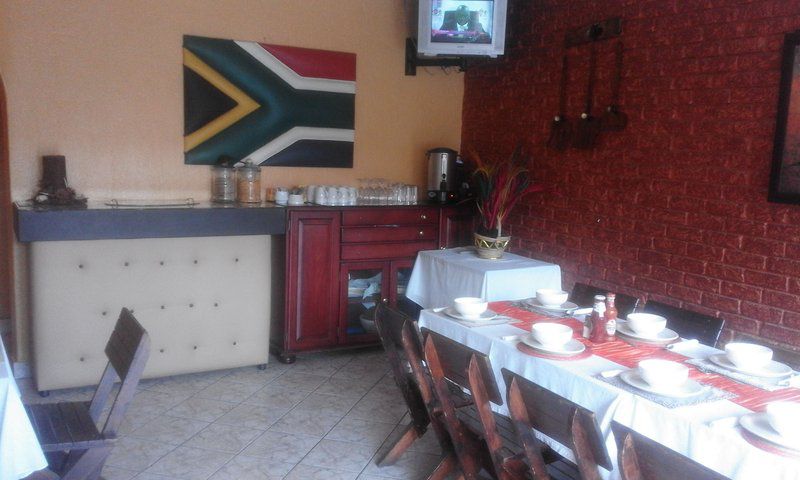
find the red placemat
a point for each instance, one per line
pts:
(748, 396)
(524, 319)
(527, 350)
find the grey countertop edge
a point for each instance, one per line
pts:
(38, 224)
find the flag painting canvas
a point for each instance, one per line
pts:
(276, 105)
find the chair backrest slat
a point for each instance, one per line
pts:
(127, 350)
(583, 296)
(641, 458)
(125, 339)
(390, 324)
(688, 324)
(419, 372)
(468, 448)
(455, 359)
(562, 420)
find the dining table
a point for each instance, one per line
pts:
(439, 276)
(20, 452)
(704, 427)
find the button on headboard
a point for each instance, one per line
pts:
(205, 302)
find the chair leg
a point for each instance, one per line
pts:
(409, 436)
(89, 465)
(95, 475)
(445, 467)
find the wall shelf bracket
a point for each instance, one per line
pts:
(413, 61)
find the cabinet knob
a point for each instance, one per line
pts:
(423, 216)
(421, 233)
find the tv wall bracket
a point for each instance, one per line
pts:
(595, 32)
(413, 61)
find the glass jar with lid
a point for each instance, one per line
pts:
(223, 184)
(248, 183)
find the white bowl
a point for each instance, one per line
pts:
(663, 374)
(470, 307)
(748, 356)
(553, 335)
(646, 324)
(783, 417)
(550, 297)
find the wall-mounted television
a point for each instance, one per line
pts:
(462, 27)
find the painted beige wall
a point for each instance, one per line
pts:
(101, 82)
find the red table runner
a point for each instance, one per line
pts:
(618, 351)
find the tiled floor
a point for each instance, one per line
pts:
(328, 416)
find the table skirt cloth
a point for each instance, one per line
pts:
(439, 276)
(20, 453)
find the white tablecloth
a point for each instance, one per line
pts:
(439, 276)
(684, 429)
(20, 453)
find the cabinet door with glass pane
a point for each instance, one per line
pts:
(363, 286)
(399, 272)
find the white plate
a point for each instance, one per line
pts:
(772, 370)
(758, 425)
(689, 389)
(355, 291)
(665, 335)
(573, 347)
(559, 308)
(485, 316)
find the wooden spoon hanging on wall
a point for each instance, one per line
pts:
(561, 129)
(588, 127)
(614, 120)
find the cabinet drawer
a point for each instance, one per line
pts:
(391, 233)
(391, 216)
(363, 251)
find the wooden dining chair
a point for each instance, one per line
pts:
(641, 458)
(390, 324)
(688, 324)
(422, 376)
(456, 366)
(583, 296)
(533, 407)
(69, 433)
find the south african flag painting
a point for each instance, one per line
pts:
(276, 105)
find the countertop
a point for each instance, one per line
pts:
(99, 221)
(96, 221)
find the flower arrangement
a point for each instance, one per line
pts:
(499, 186)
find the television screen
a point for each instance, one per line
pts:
(462, 27)
(462, 21)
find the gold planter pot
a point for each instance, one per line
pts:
(490, 248)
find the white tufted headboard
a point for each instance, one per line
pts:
(204, 300)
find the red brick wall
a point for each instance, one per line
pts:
(674, 207)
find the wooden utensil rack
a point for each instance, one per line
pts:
(595, 32)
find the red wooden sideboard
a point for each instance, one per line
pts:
(339, 262)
